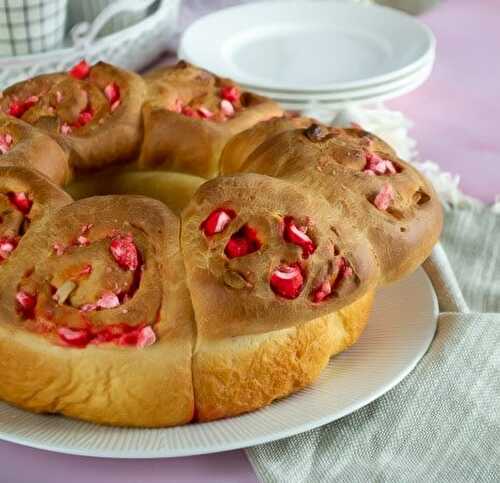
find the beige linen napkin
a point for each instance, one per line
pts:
(442, 423)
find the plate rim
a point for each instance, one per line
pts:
(346, 85)
(305, 106)
(366, 92)
(252, 441)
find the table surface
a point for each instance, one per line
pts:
(455, 115)
(457, 111)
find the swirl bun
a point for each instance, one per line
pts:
(392, 204)
(94, 112)
(105, 283)
(191, 115)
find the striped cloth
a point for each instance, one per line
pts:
(442, 423)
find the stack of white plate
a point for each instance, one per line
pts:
(308, 54)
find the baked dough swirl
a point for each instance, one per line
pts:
(190, 116)
(97, 322)
(94, 112)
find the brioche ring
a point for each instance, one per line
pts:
(216, 298)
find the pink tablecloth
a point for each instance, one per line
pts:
(456, 115)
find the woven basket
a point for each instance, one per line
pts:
(133, 48)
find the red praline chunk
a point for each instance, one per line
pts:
(243, 242)
(217, 221)
(124, 251)
(287, 281)
(293, 234)
(80, 70)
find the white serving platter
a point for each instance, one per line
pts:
(399, 332)
(415, 78)
(308, 46)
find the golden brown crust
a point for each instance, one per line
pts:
(234, 375)
(176, 142)
(32, 148)
(143, 388)
(242, 145)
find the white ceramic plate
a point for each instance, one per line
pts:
(428, 59)
(364, 92)
(307, 45)
(294, 105)
(399, 332)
